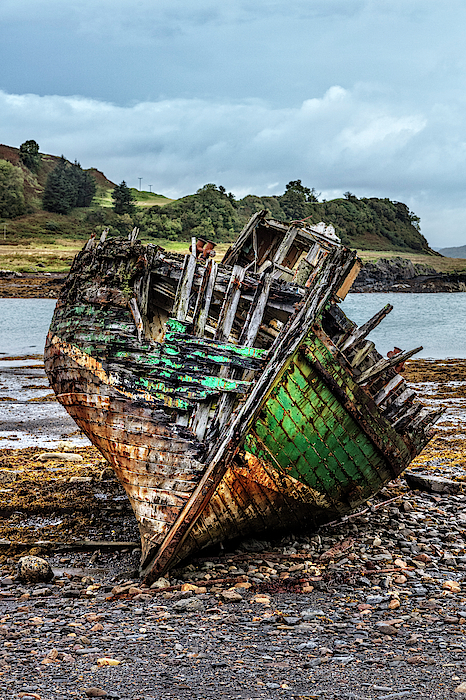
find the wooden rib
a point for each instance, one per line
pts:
(365, 329)
(385, 392)
(183, 292)
(133, 305)
(285, 246)
(204, 298)
(233, 251)
(230, 304)
(362, 353)
(406, 415)
(392, 408)
(256, 311)
(384, 364)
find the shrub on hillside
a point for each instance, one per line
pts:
(11, 191)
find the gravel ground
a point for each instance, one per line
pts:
(372, 607)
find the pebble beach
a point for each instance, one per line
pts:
(370, 607)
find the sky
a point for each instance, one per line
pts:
(366, 96)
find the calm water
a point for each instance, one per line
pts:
(23, 325)
(436, 321)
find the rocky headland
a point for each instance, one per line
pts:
(402, 275)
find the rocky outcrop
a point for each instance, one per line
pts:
(401, 275)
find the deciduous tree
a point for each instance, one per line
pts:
(29, 154)
(11, 191)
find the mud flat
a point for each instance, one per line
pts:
(31, 285)
(370, 607)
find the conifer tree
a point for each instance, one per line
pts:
(68, 186)
(123, 201)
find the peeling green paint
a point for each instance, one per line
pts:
(304, 431)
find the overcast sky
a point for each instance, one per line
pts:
(360, 95)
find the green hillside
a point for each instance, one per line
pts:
(30, 181)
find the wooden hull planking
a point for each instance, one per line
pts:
(229, 403)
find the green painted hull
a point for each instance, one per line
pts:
(305, 431)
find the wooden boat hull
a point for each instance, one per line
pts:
(303, 442)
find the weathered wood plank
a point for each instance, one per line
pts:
(285, 246)
(362, 353)
(133, 305)
(183, 292)
(366, 328)
(204, 298)
(385, 392)
(384, 364)
(230, 304)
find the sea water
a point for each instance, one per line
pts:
(435, 321)
(23, 325)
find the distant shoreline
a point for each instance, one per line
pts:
(31, 285)
(47, 286)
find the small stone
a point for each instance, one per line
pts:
(189, 587)
(62, 456)
(34, 569)
(80, 479)
(106, 661)
(95, 692)
(42, 592)
(188, 605)
(134, 591)
(394, 604)
(385, 628)
(231, 596)
(452, 586)
(400, 563)
(461, 688)
(261, 599)
(161, 583)
(97, 627)
(291, 620)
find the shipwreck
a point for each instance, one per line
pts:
(231, 398)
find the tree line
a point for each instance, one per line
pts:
(212, 212)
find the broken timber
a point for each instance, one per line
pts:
(230, 398)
